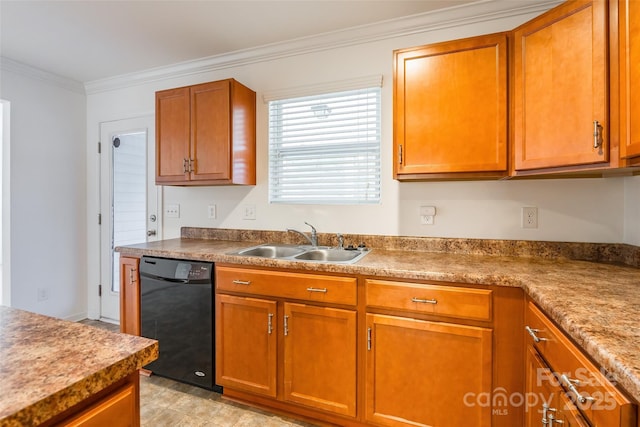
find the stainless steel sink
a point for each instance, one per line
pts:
(321, 254)
(330, 255)
(272, 251)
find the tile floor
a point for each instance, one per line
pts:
(168, 403)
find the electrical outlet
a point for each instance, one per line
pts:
(211, 211)
(249, 212)
(172, 211)
(427, 214)
(529, 217)
(426, 219)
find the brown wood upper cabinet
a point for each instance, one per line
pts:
(629, 33)
(560, 92)
(450, 109)
(206, 134)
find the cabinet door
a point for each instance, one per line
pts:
(172, 135)
(629, 77)
(450, 107)
(211, 131)
(130, 295)
(422, 373)
(545, 399)
(246, 344)
(320, 357)
(561, 87)
(540, 389)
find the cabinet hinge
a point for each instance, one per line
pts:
(99, 147)
(99, 219)
(99, 290)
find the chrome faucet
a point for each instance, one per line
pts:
(313, 240)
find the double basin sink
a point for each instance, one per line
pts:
(304, 253)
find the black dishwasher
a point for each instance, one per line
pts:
(176, 308)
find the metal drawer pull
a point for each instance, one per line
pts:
(322, 290)
(242, 282)
(533, 333)
(572, 388)
(286, 325)
(424, 301)
(369, 339)
(270, 324)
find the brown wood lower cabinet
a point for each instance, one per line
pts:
(547, 402)
(295, 352)
(116, 410)
(562, 384)
(422, 373)
(356, 351)
(246, 344)
(320, 357)
(130, 295)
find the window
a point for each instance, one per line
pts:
(325, 148)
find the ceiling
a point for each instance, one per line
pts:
(88, 40)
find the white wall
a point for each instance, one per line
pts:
(632, 210)
(48, 193)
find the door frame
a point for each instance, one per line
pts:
(102, 158)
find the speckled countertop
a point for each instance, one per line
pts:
(48, 365)
(596, 303)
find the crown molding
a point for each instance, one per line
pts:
(16, 67)
(481, 11)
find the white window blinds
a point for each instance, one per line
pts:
(325, 149)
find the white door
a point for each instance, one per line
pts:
(128, 199)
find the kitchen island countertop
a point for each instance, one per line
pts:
(597, 304)
(48, 365)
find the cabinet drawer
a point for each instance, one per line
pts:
(586, 385)
(309, 287)
(465, 303)
(118, 410)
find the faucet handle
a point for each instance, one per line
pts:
(340, 241)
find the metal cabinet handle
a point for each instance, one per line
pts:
(571, 385)
(286, 325)
(424, 301)
(322, 290)
(369, 339)
(185, 166)
(545, 413)
(132, 276)
(241, 282)
(270, 324)
(597, 134)
(533, 333)
(191, 168)
(548, 416)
